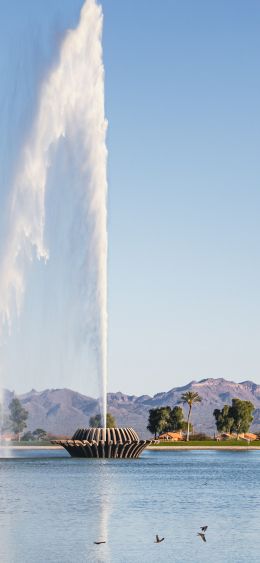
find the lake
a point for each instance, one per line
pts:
(53, 507)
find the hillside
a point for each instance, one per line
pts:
(61, 411)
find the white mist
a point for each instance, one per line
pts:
(70, 111)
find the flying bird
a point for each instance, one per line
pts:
(99, 542)
(157, 539)
(204, 528)
(202, 536)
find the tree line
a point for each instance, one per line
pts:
(167, 419)
(16, 422)
(235, 418)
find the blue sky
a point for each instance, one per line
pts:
(182, 100)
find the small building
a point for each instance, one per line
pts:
(248, 436)
(172, 436)
(8, 437)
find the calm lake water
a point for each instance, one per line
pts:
(53, 507)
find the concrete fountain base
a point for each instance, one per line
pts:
(104, 443)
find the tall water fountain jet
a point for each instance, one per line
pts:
(70, 109)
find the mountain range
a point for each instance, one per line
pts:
(62, 411)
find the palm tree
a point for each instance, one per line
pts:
(189, 398)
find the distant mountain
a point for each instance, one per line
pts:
(61, 411)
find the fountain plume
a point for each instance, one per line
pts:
(71, 107)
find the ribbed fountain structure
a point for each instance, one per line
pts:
(104, 443)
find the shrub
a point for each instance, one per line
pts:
(200, 436)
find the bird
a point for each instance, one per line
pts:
(202, 536)
(99, 542)
(204, 528)
(157, 539)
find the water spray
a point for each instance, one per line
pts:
(71, 105)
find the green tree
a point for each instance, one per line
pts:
(39, 434)
(185, 426)
(224, 419)
(18, 416)
(28, 437)
(190, 397)
(235, 418)
(95, 421)
(158, 420)
(176, 420)
(242, 414)
(4, 421)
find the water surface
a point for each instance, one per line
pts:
(53, 507)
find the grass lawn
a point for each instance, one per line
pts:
(212, 443)
(209, 443)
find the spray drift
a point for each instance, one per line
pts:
(71, 112)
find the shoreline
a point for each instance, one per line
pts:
(216, 448)
(150, 448)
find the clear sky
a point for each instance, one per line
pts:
(182, 101)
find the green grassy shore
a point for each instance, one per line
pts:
(208, 443)
(192, 443)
